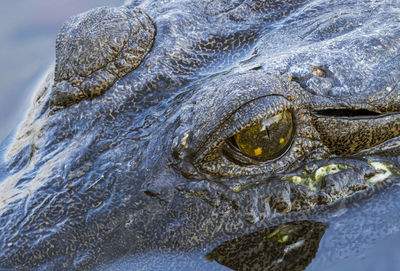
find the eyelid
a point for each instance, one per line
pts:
(245, 116)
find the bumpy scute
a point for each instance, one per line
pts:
(96, 48)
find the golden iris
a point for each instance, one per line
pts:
(268, 138)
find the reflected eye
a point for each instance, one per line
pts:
(267, 139)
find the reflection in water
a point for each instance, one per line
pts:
(289, 246)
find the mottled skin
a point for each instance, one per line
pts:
(138, 162)
(96, 48)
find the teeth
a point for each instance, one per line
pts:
(383, 170)
(328, 170)
(313, 181)
(237, 188)
(307, 182)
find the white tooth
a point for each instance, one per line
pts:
(383, 172)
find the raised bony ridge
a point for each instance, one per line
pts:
(96, 48)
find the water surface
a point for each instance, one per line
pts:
(28, 31)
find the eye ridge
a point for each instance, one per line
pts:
(263, 141)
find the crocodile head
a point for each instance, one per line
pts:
(177, 125)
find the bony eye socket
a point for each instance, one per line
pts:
(267, 139)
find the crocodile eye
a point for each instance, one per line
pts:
(267, 139)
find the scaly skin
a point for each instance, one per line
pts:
(121, 159)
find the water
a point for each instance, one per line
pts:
(27, 47)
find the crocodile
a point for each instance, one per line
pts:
(179, 126)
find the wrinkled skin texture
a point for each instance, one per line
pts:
(142, 163)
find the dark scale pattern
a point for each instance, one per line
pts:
(96, 48)
(349, 136)
(140, 159)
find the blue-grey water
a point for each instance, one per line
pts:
(27, 48)
(27, 38)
